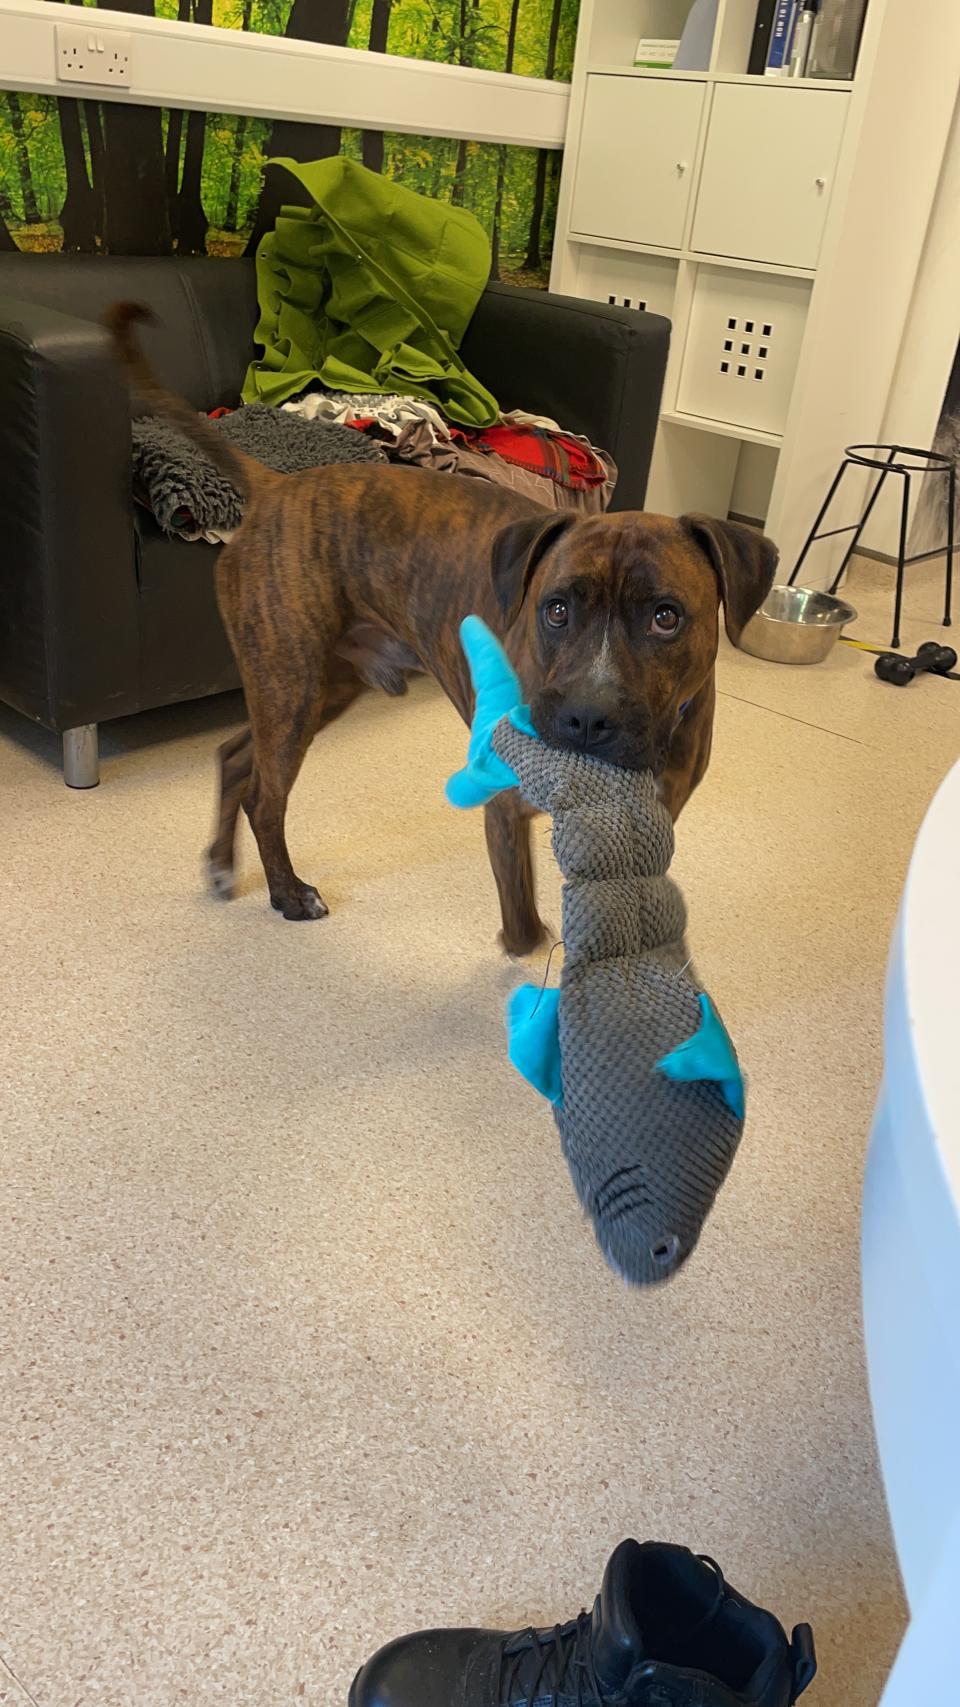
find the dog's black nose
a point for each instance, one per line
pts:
(587, 727)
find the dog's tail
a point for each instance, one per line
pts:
(243, 471)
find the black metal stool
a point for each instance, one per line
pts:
(889, 459)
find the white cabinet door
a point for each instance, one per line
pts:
(768, 170)
(742, 347)
(635, 168)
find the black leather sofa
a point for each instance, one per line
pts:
(102, 615)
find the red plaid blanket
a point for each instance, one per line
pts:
(554, 455)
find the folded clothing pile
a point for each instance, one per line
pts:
(527, 453)
(190, 498)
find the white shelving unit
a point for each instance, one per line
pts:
(778, 224)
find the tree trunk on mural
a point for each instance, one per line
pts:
(7, 245)
(464, 57)
(171, 168)
(373, 150)
(441, 154)
(192, 220)
(174, 139)
(31, 210)
(78, 215)
(498, 203)
(502, 151)
(533, 260)
(379, 34)
(91, 114)
(136, 220)
(315, 21)
(231, 219)
(460, 174)
(135, 216)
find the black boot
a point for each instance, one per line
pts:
(665, 1631)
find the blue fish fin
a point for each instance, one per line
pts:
(533, 1039)
(498, 695)
(708, 1054)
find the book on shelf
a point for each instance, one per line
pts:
(655, 53)
(760, 45)
(781, 38)
(836, 39)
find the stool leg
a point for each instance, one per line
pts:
(952, 501)
(851, 548)
(901, 559)
(824, 507)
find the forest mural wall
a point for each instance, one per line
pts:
(100, 177)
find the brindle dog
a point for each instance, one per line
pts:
(355, 575)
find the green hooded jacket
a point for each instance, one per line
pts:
(370, 289)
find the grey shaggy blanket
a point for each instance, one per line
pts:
(186, 494)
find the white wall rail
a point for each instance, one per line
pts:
(198, 67)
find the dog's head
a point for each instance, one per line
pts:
(613, 621)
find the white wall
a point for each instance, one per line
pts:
(753, 482)
(929, 341)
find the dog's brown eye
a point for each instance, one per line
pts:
(556, 613)
(666, 620)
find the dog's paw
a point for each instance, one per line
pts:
(221, 880)
(520, 944)
(306, 903)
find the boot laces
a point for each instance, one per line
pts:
(565, 1655)
(564, 1666)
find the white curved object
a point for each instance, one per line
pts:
(911, 1254)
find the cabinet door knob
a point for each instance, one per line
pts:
(681, 167)
(821, 183)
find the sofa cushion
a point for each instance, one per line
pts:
(206, 310)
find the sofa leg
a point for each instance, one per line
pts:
(81, 756)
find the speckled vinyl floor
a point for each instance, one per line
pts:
(305, 1340)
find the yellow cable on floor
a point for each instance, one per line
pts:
(863, 645)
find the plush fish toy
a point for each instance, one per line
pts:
(645, 1085)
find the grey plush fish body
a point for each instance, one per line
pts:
(647, 1151)
(646, 1089)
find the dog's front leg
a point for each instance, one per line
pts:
(507, 823)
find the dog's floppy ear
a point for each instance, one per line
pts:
(517, 550)
(743, 561)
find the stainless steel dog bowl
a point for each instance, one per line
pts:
(796, 625)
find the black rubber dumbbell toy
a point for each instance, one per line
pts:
(936, 660)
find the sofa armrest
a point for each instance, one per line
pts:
(69, 645)
(596, 370)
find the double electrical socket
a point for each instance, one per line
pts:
(100, 57)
